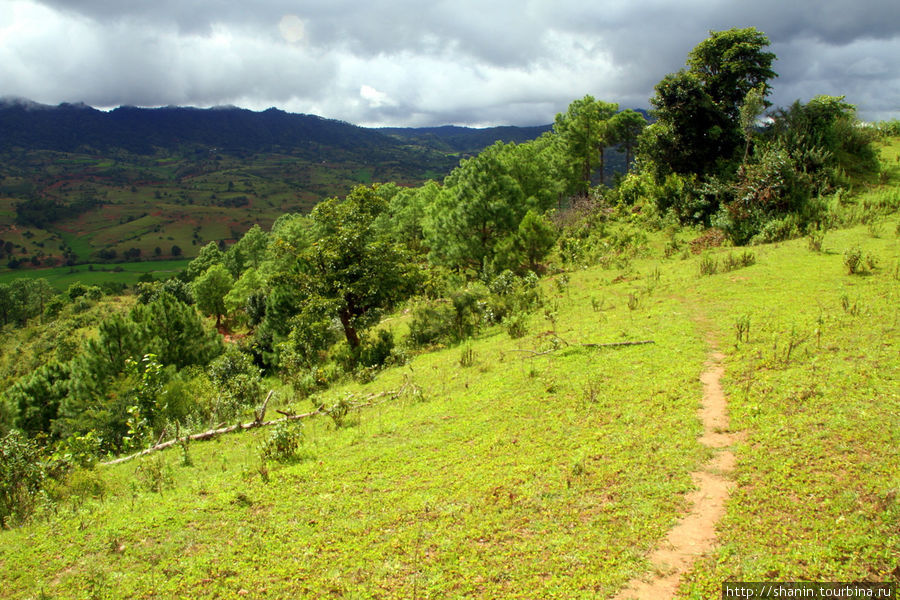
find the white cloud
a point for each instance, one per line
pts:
(409, 62)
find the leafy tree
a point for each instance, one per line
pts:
(210, 290)
(585, 131)
(732, 63)
(698, 129)
(208, 256)
(349, 266)
(237, 298)
(691, 134)
(626, 129)
(249, 251)
(823, 136)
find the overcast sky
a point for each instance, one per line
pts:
(420, 62)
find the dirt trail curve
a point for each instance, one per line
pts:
(695, 533)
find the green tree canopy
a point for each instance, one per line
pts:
(349, 266)
(209, 255)
(210, 290)
(585, 133)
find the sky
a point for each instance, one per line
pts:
(424, 63)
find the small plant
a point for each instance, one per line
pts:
(742, 329)
(154, 474)
(814, 240)
(597, 305)
(634, 301)
(515, 326)
(467, 357)
(340, 411)
(853, 260)
(282, 444)
(21, 476)
(562, 283)
(708, 265)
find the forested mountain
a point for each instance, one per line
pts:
(77, 127)
(452, 138)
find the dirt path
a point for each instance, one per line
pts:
(695, 533)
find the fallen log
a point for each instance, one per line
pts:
(611, 344)
(257, 422)
(607, 345)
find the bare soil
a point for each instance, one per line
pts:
(695, 533)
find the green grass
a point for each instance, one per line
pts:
(519, 476)
(818, 478)
(550, 475)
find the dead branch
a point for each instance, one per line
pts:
(258, 422)
(611, 344)
(262, 411)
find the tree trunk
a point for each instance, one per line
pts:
(349, 331)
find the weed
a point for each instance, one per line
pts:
(815, 240)
(850, 308)
(597, 305)
(871, 262)
(672, 247)
(875, 227)
(853, 260)
(467, 356)
(731, 262)
(794, 340)
(186, 460)
(742, 328)
(154, 474)
(515, 325)
(591, 392)
(708, 265)
(633, 301)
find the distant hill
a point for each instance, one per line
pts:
(27, 125)
(465, 140)
(80, 185)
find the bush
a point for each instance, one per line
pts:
(516, 325)
(709, 265)
(283, 442)
(21, 477)
(853, 260)
(448, 320)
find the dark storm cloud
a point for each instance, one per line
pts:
(414, 62)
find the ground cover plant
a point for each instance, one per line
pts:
(503, 477)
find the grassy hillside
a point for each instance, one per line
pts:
(538, 466)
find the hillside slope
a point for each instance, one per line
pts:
(543, 467)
